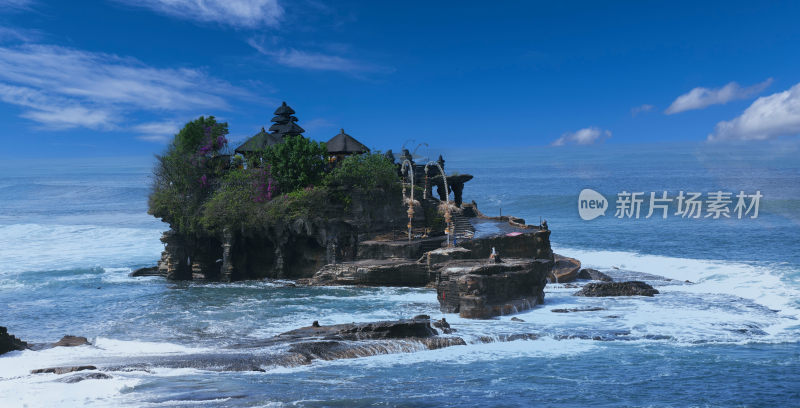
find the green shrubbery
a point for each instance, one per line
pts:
(368, 172)
(197, 189)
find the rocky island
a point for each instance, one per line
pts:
(286, 207)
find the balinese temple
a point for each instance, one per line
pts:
(343, 145)
(283, 125)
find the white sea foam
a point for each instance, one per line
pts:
(758, 283)
(20, 363)
(723, 299)
(44, 391)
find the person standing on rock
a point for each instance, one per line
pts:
(495, 256)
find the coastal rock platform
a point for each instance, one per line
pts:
(372, 272)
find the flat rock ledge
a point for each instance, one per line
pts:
(301, 347)
(372, 272)
(629, 288)
(481, 289)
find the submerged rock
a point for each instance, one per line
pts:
(149, 271)
(71, 341)
(9, 342)
(316, 342)
(88, 376)
(394, 329)
(593, 274)
(443, 326)
(630, 288)
(63, 370)
(585, 309)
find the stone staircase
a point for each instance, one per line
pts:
(463, 227)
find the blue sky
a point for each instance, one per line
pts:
(119, 77)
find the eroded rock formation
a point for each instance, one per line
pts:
(482, 289)
(9, 342)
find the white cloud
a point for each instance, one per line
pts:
(699, 98)
(53, 111)
(768, 117)
(315, 61)
(642, 108)
(8, 34)
(13, 5)
(236, 13)
(64, 87)
(160, 132)
(585, 136)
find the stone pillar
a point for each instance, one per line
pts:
(331, 249)
(440, 191)
(279, 263)
(458, 190)
(227, 267)
(175, 257)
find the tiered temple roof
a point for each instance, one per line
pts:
(284, 125)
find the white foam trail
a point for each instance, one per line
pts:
(758, 283)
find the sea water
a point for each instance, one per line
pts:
(72, 229)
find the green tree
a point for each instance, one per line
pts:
(201, 132)
(296, 163)
(184, 175)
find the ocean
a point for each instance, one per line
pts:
(71, 230)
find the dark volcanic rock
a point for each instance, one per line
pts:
(9, 342)
(395, 329)
(149, 271)
(593, 274)
(63, 370)
(630, 288)
(71, 341)
(88, 376)
(586, 309)
(304, 345)
(443, 326)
